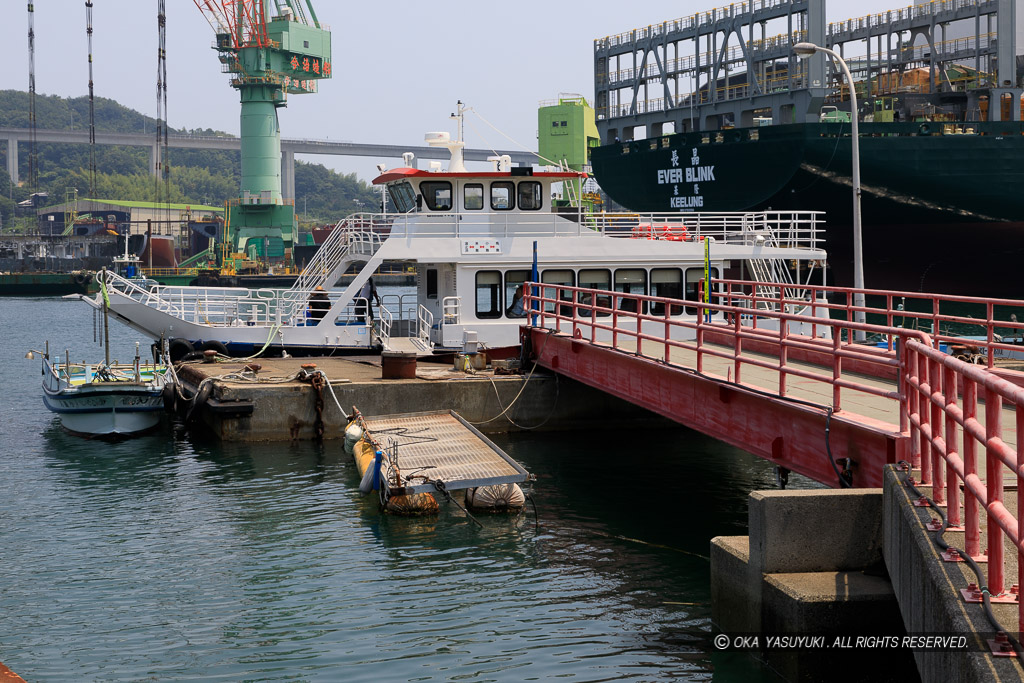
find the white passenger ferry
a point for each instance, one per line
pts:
(474, 238)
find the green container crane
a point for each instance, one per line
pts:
(269, 58)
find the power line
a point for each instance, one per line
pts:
(33, 161)
(163, 189)
(92, 109)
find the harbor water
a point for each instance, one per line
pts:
(174, 557)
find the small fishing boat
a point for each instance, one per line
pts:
(117, 399)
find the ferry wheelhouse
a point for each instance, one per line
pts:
(475, 238)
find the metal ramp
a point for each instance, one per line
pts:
(441, 447)
(410, 345)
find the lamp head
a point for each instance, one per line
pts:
(805, 50)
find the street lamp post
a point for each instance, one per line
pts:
(805, 50)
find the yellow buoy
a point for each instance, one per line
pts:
(364, 454)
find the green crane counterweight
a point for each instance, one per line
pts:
(269, 58)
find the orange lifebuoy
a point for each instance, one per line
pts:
(676, 233)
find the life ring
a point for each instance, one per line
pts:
(214, 345)
(178, 348)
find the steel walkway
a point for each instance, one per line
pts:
(750, 371)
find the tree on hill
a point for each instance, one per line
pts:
(197, 175)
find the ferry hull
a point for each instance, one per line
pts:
(932, 196)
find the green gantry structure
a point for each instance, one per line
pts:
(269, 57)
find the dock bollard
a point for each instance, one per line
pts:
(397, 365)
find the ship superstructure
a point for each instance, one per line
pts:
(715, 112)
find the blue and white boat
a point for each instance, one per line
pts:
(105, 400)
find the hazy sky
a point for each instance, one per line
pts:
(399, 66)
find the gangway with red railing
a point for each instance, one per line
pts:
(939, 387)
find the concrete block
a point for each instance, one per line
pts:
(847, 602)
(815, 531)
(833, 605)
(735, 599)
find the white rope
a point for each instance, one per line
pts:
(512, 140)
(328, 381)
(487, 143)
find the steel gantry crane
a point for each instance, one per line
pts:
(269, 57)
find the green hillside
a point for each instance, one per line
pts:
(197, 176)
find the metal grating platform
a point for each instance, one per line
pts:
(441, 446)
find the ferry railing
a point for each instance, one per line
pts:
(946, 434)
(384, 327)
(451, 308)
(795, 229)
(426, 323)
(788, 339)
(402, 306)
(228, 307)
(979, 330)
(359, 234)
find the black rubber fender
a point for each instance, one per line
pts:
(179, 348)
(81, 278)
(214, 345)
(170, 396)
(198, 401)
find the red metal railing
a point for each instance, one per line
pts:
(947, 319)
(938, 394)
(943, 394)
(736, 333)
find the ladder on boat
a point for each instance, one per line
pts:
(773, 271)
(354, 238)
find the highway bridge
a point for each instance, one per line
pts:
(289, 148)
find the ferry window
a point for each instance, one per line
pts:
(502, 198)
(595, 279)
(694, 276)
(402, 196)
(558, 277)
(513, 280)
(631, 281)
(431, 283)
(473, 196)
(668, 283)
(488, 294)
(529, 196)
(437, 194)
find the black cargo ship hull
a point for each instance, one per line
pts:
(942, 203)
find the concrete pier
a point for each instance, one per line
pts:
(812, 566)
(856, 563)
(275, 407)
